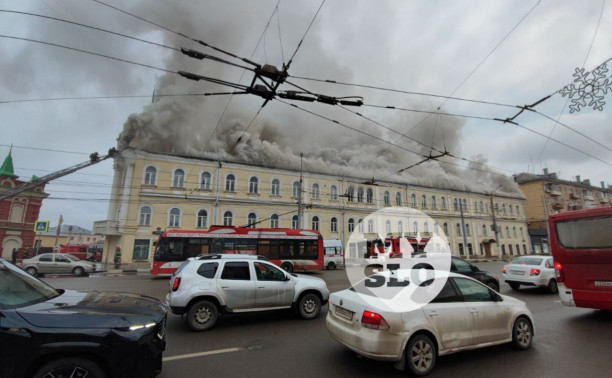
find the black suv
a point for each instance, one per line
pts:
(459, 265)
(47, 332)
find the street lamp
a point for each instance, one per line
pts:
(500, 253)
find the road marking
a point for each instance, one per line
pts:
(201, 354)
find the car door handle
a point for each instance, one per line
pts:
(432, 313)
(261, 287)
(473, 311)
(224, 287)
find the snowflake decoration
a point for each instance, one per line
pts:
(588, 87)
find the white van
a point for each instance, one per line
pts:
(334, 254)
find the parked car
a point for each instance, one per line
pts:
(459, 265)
(57, 263)
(47, 332)
(415, 339)
(204, 287)
(531, 270)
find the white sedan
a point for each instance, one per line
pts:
(465, 314)
(531, 270)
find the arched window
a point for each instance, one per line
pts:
(145, 216)
(351, 225)
(400, 227)
(295, 193)
(253, 185)
(386, 198)
(150, 175)
(350, 194)
(467, 229)
(360, 194)
(228, 218)
(522, 235)
(514, 232)
(315, 223)
(294, 222)
(481, 207)
(443, 203)
(503, 249)
(456, 204)
(370, 196)
(370, 226)
(179, 179)
(415, 227)
(315, 191)
(507, 231)
(174, 220)
(251, 220)
(434, 204)
(518, 212)
(398, 199)
(388, 227)
(230, 183)
(202, 221)
(424, 201)
(360, 225)
(333, 224)
(445, 227)
(511, 210)
(275, 187)
(274, 221)
(459, 229)
(333, 193)
(504, 209)
(465, 208)
(484, 230)
(413, 202)
(205, 181)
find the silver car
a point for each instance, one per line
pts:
(465, 314)
(531, 270)
(57, 263)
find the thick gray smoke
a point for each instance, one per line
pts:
(194, 125)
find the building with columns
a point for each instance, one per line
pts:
(154, 192)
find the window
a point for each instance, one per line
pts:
(426, 227)
(266, 272)
(456, 204)
(333, 193)
(388, 226)
(370, 196)
(294, 222)
(386, 199)
(360, 225)
(514, 232)
(467, 230)
(511, 211)
(434, 205)
(253, 185)
(150, 175)
(436, 228)
(398, 199)
(473, 291)
(522, 235)
(236, 271)
(400, 227)
(415, 227)
(424, 201)
(443, 203)
(351, 225)
(295, 193)
(518, 210)
(141, 249)
(145, 216)
(179, 179)
(315, 191)
(274, 221)
(370, 226)
(202, 220)
(251, 220)
(350, 194)
(315, 223)
(174, 220)
(205, 181)
(504, 209)
(208, 270)
(230, 183)
(460, 248)
(447, 294)
(413, 200)
(503, 249)
(484, 230)
(445, 227)
(510, 249)
(333, 225)
(360, 194)
(507, 231)
(228, 218)
(459, 229)
(275, 188)
(481, 207)
(465, 208)
(460, 266)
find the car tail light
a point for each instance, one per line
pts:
(503, 269)
(176, 283)
(534, 272)
(373, 320)
(559, 272)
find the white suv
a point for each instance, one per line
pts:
(207, 285)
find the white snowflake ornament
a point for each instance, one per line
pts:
(588, 89)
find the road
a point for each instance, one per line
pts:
(569, 342)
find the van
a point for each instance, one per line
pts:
(334, 254)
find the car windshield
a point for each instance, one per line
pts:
(19, 289)
(525, 260)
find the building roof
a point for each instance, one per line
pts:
(7, 167)
(525, 178)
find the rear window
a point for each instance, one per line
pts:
(527, 261)
(585, 233)
(236, 271)
(208, 270)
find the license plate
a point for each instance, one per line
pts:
(603, 283)
(344, 313)
(517, 272)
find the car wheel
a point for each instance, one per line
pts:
(31, 271)
(514, 286)
(493, 285)
(78, 271)
(522, 333)
(202, 316)
(287, 267)
(309, 306)
(552, 286)
(420, 355)
(331, 266)
(70, 367)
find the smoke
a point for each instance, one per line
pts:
(198, 126)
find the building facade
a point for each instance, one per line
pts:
(69, 234)
(18, 213)
(155, 192)
(546, 194)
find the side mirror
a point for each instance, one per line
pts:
(287, 278)
(498, 298)
(475, 268)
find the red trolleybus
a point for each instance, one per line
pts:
(290, 249)
(581, 243)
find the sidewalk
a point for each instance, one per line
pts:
(122, 272)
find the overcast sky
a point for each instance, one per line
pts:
(503, 52)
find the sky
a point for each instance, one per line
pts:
(452, 70)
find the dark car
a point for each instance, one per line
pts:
(47, 332)
(459, 265)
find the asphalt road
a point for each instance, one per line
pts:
(569, 342)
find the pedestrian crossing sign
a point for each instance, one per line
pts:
(41, 226)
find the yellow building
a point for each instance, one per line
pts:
(546, 194)
(153, 192)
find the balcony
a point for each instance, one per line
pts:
(106, 227)
(602, 197)
(588, 196)
(573, 196)
(553, 190)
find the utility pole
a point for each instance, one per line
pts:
(495, 226)
(299, 225)
(465, 244)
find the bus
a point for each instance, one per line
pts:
(581, 244)
(292, 250)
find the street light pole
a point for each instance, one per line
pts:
(465, 245)
(299, 225)
(499, 253)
